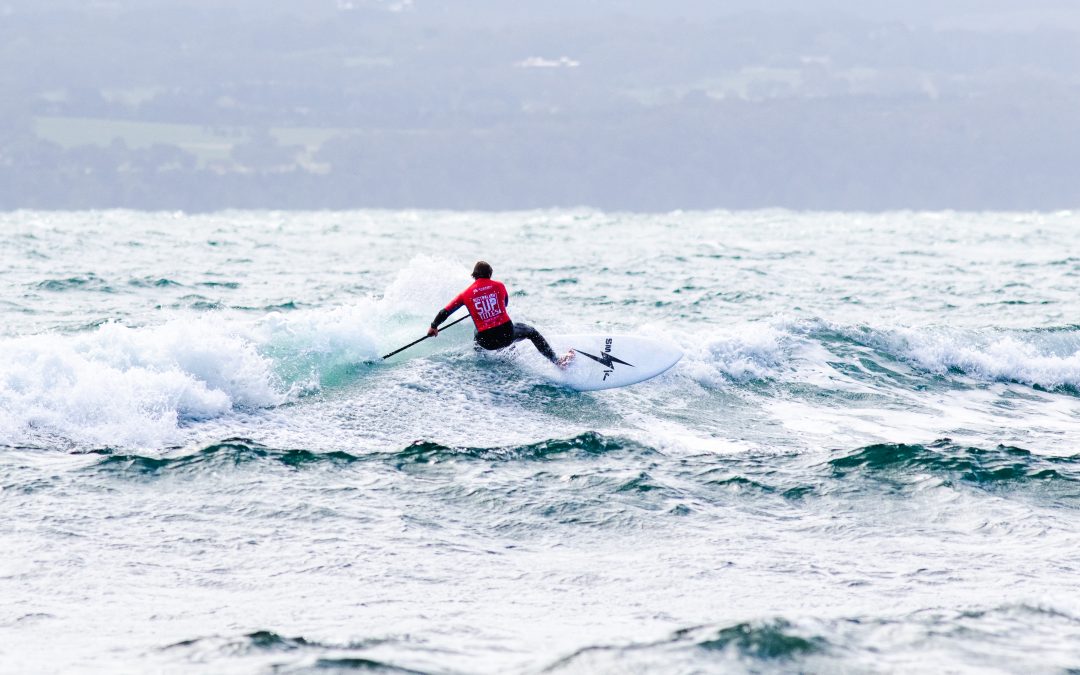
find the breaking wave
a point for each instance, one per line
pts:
(1047, 359)
(137, 386)
(140, 386)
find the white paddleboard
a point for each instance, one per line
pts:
(608, 361)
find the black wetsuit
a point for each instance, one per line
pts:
(509, 333)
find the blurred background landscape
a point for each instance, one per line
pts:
(477, 104)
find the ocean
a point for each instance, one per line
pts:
(866, 461)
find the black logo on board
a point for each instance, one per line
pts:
(606, 359)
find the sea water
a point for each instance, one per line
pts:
(867, 460)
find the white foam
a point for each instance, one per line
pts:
(310, 345)
(1007, 358)
(740, 353)
(129, 386)
(135, 387)
(423, 287)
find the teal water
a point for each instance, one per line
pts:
(866, 461)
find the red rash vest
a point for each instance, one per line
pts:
(486, 301)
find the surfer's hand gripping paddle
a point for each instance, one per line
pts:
(416, 342)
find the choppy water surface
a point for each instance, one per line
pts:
(867, 460)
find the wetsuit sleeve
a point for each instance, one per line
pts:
(447, 311)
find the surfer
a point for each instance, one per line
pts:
(486, 300)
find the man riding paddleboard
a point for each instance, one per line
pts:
(486, 300)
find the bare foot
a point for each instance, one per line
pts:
(566, 359)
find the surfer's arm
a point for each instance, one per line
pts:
(443, 314)
(439, 318)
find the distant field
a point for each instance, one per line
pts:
(208, 144)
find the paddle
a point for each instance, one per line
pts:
(416, 342)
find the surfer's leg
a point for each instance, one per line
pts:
(523, 331)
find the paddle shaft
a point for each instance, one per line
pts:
(416, 342)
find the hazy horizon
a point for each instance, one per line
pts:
(480, 105)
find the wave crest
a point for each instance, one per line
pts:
(241, 451)
(748, 353)
(230, 452)
(129, 386)
(1000, 465)
(588, 443)
(1047, 359)
(136, 386)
